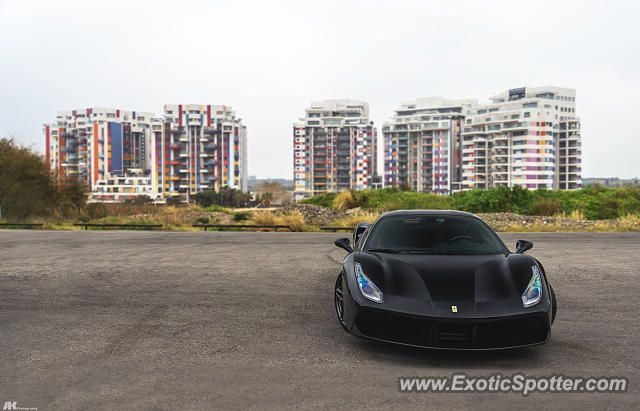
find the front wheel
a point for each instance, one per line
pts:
(338, 299)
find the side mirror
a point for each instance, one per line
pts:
(523, 245)
(344, 244)
(360, 229)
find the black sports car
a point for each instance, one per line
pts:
(441, 279)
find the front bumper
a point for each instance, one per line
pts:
(449, 333)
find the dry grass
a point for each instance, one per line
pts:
(629, 219)
(294, 219)
(263, 218)
(353, 219)
(574, 215)
(173, 219)
(344, 201)
(600, 226)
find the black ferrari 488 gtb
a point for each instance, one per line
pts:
(441, 279)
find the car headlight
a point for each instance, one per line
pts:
(367, 287)
(533, 293)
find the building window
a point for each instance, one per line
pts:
(527, 114)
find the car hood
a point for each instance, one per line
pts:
(449, 278)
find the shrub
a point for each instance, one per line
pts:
(591, 203)
(202, 220)
(323, 200)
(393, 199)
(241, 216)
(545, 207)
(174, 200)
(96, 210)
(139, 200)
(227, 197)
(217, 209)
(497, 200)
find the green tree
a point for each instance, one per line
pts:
(173, 200)
(27, 187)
(139, 200)
(226, 197)
(266, 198)
(71, 198)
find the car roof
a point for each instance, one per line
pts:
(426, 212)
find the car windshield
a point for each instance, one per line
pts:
(433, 234)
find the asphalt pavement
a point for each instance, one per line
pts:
(237, 320)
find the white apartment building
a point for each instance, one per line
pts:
(114, 189)
(525, 136)
(334, 148)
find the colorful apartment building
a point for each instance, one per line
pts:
(189, 149)
(527, 136)
(89, 144)
(334, 148)
(422, 144)
(201, 147)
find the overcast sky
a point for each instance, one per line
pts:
(270, 59)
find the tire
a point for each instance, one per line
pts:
(338, 301)
(554, 305)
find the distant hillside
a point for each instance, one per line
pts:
(611, 182)
(253, 181)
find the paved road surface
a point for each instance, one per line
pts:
(195, 320)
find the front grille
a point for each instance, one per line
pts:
(452, 334)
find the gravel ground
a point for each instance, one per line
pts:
(197, 320)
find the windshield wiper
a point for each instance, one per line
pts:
(386, 250)
(444, 252)
(441, 252)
